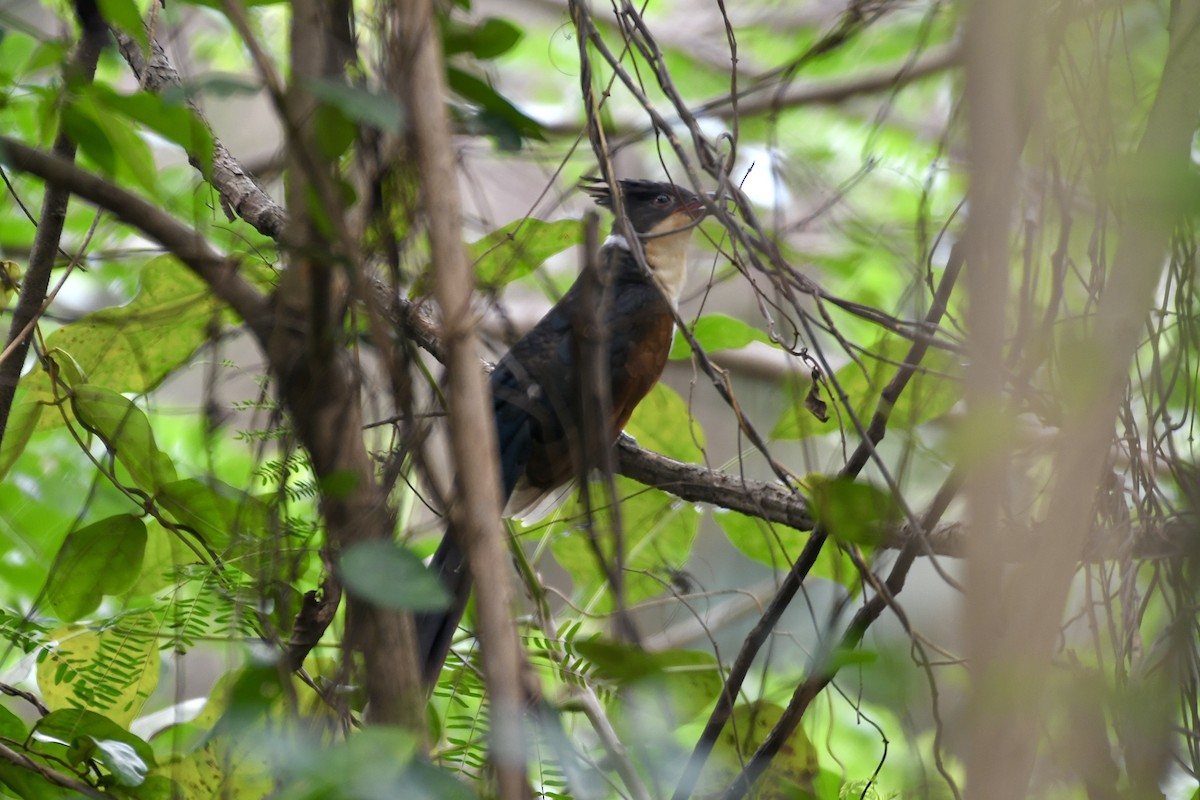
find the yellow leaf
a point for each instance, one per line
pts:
(110, 671)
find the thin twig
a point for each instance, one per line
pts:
(52, 776)
(80, 67)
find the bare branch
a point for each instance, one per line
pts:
(758, 97)
(834, 90)
(52, 776)
(239, 192)
(28, 697)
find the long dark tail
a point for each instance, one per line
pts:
(435, 630)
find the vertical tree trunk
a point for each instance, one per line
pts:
(475, 514)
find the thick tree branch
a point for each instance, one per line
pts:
(771, 502)
(475, 516)
(317, 378)
(240, 194)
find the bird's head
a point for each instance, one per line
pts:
(653, 208)
(663, 216)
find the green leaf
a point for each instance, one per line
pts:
(91, 138)
(21, 782)
(663, 423)
(254, 690)
(36, 393)
(622, 663)
(109, 140)
(216, 84)
(520, 247)
(28, 557)
(154, 787)
(932, 392)
(29, 785)
(103, 558)
(778, 546)
(118, 757)
(126, 432)
(846, 657)
(178, 740)
(173, 121)
(658, 532)
(377, 761)
(48, 54)
(490, 38)
(340, 483)
(390, 576)
(70, 724)
(792, 772)
(828, 784)
(124, 15)
(226, 768)
(134, 347)
(26, 411)
(334, 132)
(111, 671)
(508, 124)
(65, 369)
(689, 679)
(48, 109)
(718, 332)
(164, 552)
(375, 110)
(775, 545)
(853, 512)
(11, 726)
(216, 511)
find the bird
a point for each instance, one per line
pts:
(535, 386)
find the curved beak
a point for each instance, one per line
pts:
(695, 209)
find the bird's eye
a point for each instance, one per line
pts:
(662, 200)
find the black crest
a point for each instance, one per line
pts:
(646, 202)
